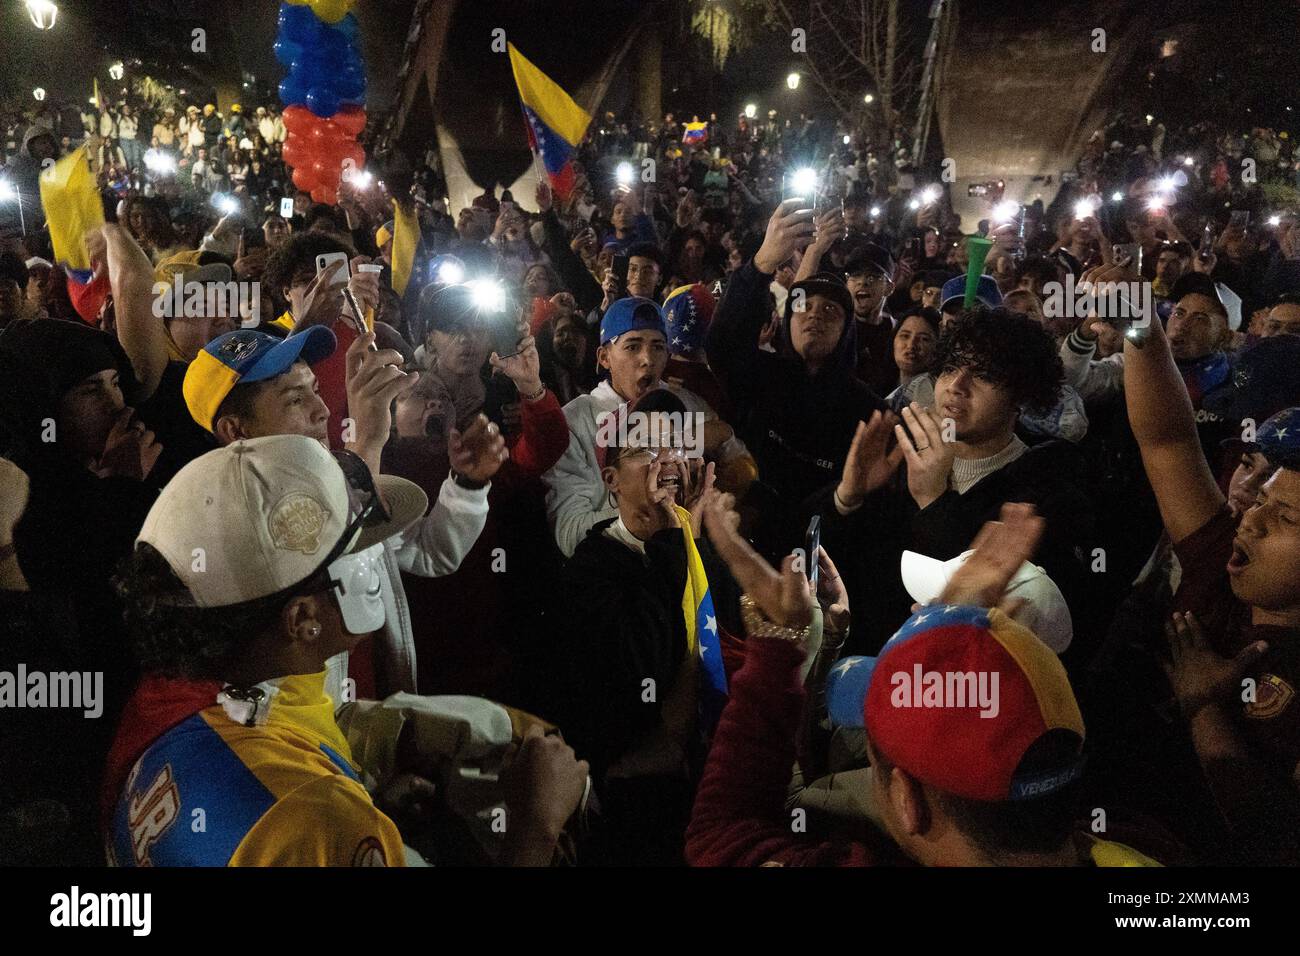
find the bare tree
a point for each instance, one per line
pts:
(853, 48)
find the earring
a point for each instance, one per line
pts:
(612, 499)
(314, 631)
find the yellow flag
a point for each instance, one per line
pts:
(72, 207)
(406, 236)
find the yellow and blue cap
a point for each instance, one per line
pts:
(247, 355)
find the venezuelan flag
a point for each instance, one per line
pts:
(696, 133)
(556, 124)
(73, 207)
(702, 634)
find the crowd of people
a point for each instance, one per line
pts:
(709, 514)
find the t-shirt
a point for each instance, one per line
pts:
(284, 792)
(1271, 722)
(182, 438)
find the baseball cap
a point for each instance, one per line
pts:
(1044, 611)
(869, 257)
(828, 284)
(957, 698)
(267, 513)
(631, 314)
(246, 355)
(688, 310)
(986, 291)
(1197, 283)
(1278, 439)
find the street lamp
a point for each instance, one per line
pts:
(39, 94)
(751, 110)
(43, 13)
(117, 70)
(868, 99)
(792, 81)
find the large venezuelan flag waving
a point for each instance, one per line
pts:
(556, 124)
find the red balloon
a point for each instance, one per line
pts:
(350, 119)
(297, 118)
(327, 135)
(326, 173)
(294, 150)
(304, 178)
(326, 194)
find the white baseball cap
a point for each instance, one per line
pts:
(1044, 611)
(258, 516)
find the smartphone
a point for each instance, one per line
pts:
(812, 542)
(913, 249)
(619, 266)
(1131, 251)
(326, 260)
(1207, 241)
(799, 185)
(286, 207)
(1239, 219)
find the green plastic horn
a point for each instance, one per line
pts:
(977, 251)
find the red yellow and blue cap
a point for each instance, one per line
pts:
(688, 310)
(246, 355)
(957, 698)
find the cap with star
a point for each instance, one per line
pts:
(957, 698)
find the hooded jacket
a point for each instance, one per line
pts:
(797, 425)
(24, 171)
(77, 525)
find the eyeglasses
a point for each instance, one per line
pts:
(656, 453)
(869, 279)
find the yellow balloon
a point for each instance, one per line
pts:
(332, 11)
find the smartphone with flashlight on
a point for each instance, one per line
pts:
(800, 184)
(812, 542)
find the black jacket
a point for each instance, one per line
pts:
(868, 544)
(616, 622)
(798, 426)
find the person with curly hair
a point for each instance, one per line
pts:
(963, 460)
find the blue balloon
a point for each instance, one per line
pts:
(292, 91)
(323, 101)
(331, 41)
(286, 51)
(351, 85)
(348, 26)
(299, 24)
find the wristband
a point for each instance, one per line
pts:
(467, 483)
(536, 395)
(757, 624)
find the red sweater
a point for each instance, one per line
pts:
(464, 622)
(740, 816)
